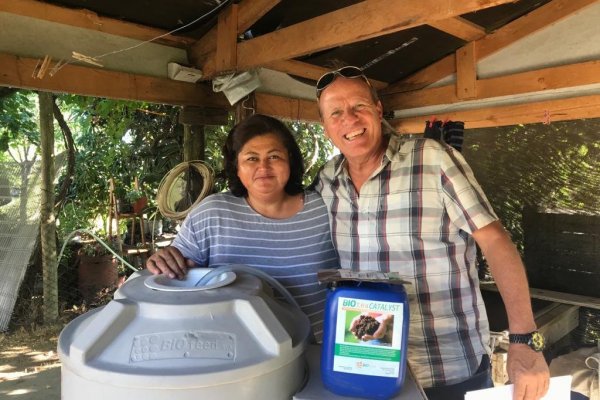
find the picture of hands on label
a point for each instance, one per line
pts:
(373, 326)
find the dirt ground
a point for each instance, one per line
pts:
(29, 364)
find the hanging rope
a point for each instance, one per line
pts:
(170, 181)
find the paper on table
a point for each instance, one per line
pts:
(560, 389)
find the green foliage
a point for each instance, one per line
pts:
(120, 140)
(123, 140)
(18, 118)
(315, 147)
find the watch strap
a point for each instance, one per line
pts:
(522, 338)
(534, 339)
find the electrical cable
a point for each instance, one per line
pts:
(99, 241)
(244, 268)
(164, 188)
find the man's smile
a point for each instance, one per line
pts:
(354, 134)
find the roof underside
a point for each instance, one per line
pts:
(423, 55)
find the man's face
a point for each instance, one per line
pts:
(351, 119)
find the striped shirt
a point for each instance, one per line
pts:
(225, 230)
(415, 216)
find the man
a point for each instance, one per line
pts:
(413, 206)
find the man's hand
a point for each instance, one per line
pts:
(528, 371)
(169, 261)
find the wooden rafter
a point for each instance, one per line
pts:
(538, 112)
(466, 72)
(460, 28)
(202, 53)
(370, 18)
(17, 72)
(581, 74)
(287, 108)
(542, 17)
(226, 54)
(358, 22)
(90, 20)
(309, 71)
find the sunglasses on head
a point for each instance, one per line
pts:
(346, 72)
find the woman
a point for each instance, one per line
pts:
(266, 221)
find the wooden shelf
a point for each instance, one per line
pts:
(549, 295)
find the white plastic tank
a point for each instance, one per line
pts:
(167, 339)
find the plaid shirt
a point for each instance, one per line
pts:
(414, 216)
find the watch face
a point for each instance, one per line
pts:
(537, 342)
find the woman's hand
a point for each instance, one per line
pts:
(169, 261)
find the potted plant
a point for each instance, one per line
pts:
(121, 196)
(137, 199)
(97, 267)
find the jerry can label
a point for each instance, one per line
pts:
(368, 337)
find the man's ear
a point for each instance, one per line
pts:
(379, 108)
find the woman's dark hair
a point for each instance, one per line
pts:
(257, 125)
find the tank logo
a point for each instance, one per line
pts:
(183, 344)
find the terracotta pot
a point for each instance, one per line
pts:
(96, 273)
(140, 204)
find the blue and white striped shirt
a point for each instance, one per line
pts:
(225, 230)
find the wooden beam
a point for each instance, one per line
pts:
(202, 52)
(226, 55)
(90, 20)
(298, 68)
(460, 28)
(287, 108)
(354, 23)
(558, 297)
(466, 72)
(17, 72)
(557, 322)
(533, 113)
(538, 19)
(310, 71)
(565, 76)
(190, 115)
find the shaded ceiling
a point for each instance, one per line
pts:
(427, 57)
(388, 58)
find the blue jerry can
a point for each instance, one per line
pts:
(365, 335)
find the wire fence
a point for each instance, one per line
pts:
(19, 229)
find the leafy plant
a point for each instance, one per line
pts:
(93, 248)
(133, 195)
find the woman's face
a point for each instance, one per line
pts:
(263, 165)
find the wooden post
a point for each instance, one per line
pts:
(194, 119)
(245, 108)
(48, 221)
(193, 142)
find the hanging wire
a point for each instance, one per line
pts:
(94, 60)
(99, 241)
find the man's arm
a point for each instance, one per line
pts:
(526, 368)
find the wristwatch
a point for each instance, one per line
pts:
(534, 339)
